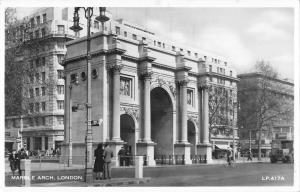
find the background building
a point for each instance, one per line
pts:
(151, 94)
(35, 46)
(276, 109)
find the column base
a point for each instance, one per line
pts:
(205, 149)
(147, 149)
(184, 148)
(116, 146)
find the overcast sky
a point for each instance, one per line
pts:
(244, 35)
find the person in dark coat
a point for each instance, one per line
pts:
(122, 154)
(13, 161)
(99, 161)
(108, 155)
(21, 155)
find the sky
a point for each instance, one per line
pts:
(243, 35)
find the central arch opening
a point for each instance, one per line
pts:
(161, 121)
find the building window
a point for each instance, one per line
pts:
(43, 32)
(37, 34)
(37, 92)
(60, 74)
(31, 107)
(134, 37)
(60, 89)
(37, 123)
(43, 62)
(37, 107)
(96, 25)
(60, 120)
(118, 30)
(61, 29)
(43, 91)
(43, 77)
(44, 18)
(230, 83)
(38, 20)
(190, 97)
(60, 58)
(32, 22)
(43, 106)
(31, 123)
(31, 93)
(60, 104)
(126, 86)
(37, 77)
(125, 34)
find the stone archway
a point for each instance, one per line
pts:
(127, 126)
(161, 121)
(192, 136)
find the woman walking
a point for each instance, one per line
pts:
(13, 161)
(99, 162)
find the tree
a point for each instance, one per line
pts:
(22, 64)
(220, 103)
(261, 101)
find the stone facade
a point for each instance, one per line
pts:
(147, 93)
(45, 33)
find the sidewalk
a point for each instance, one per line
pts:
(44, 166)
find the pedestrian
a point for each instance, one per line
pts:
(13, 161)
(229, 157)
(249, 156)
(21, 155)
(121, 155)
(99, 162)
(108, 155)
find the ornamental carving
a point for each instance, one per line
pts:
(131, 111)
(161, 82)
(204, 84)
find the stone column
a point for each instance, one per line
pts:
(204, 148)
(183, 147)
(147, 108)
(116, 103)
(205, 115)
(183, 111)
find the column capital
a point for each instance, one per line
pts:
(183, 82)
(204, 85)
(146, 75)
(116, 68)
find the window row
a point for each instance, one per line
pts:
(38, 62)
(37, 77)
(37, 20)
(37, 107)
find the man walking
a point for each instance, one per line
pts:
(108, 154)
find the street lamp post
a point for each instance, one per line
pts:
(88, 139)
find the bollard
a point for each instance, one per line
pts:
(138, 167)
(25, 166)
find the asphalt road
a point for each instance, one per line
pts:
(250, 174)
